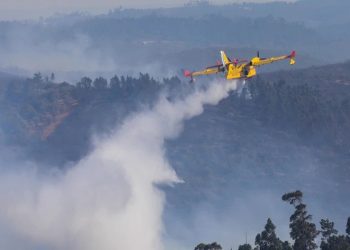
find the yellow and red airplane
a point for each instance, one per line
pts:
(239, 69)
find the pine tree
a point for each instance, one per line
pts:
(115, 83)
(100, 83)
(268, 240)
(303, 231)
(286, 246)
(245, 247)
(334, 242)
(212, 246)
(85, 83)
(327, 231)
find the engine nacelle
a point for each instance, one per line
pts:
(255, 61)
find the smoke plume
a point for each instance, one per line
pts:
(110, 199)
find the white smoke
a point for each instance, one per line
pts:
(109, 200)
(69, 59)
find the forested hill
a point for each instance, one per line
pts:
(330, 76)
(311, 12)
(58, 119)
(278, 135)
(314, 102)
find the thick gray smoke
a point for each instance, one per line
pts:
(109, 200)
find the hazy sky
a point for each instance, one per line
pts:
(24, 9)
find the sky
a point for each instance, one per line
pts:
(34, 9)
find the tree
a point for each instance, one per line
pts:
(212, 246)
(37, 77)
(340, 242)
(200, 246)
(348, 227)
(303, 231)
(100, 83)
(85, 83)
(286, 246)
(173, 81)
(52, 77)
(327, 231)
(268, 240)
(115, 82)
(245, 247)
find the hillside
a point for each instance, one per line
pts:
(37, 110)
(287, 135)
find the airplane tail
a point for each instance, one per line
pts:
(224, 58)
(292, 57)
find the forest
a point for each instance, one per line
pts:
(33, 107)
(38, 111)
(303, 232)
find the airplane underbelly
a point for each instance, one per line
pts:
(233, 73)
(252, 72)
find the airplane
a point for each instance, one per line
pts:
(239, 69)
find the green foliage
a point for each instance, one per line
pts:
(29, 107)
(268, 240)
(32, 109)
(303, 231)
(327, 229)
(84, 83)
(100, 83)
(212, 246)
(330, 239)
(245, 247)
(286, 246)
(293, 197)
(303, 109)
(38, 78)
(336, 243)
(115, 83)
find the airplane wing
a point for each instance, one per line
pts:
(208, 71)
(262, 61)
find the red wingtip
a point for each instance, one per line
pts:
(187, 73)
(293, 54)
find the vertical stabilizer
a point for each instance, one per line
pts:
(224, 58)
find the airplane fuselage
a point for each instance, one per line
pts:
(240, 71)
